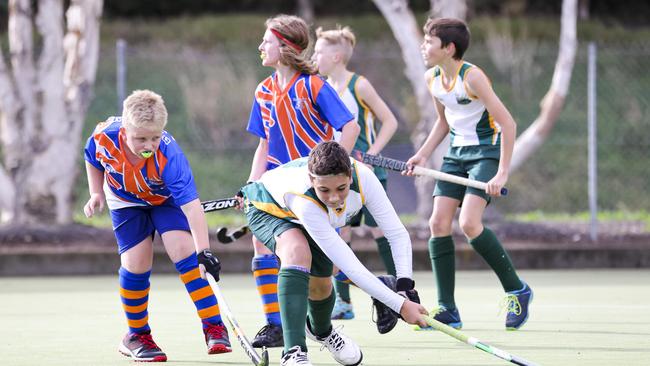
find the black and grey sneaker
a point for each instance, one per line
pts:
(295, 357)
(386, 317)
(141, 347)
(269, 336)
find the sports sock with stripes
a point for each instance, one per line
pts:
(265, 270)
(134, 293)
(199, 290)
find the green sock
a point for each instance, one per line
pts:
(443, 261)
(293, 291)
(320, 312)
(386, 255)
(489, 247)
(342, 289)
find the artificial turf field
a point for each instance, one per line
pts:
(579, 317)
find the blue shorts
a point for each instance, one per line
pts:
(133, 224)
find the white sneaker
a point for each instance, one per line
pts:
(295, 357)
(342, 348)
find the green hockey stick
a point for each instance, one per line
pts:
(477, 343)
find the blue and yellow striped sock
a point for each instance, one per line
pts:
(265, 269)
(199, 290)
(134, 292)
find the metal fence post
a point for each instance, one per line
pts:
(120, 53)
(593, 143)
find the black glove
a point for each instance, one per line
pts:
(210, 262)
(406, 287)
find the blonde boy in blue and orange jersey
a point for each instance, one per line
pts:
(294, 109)
(482, 135)
(138, 169)
(332, 53)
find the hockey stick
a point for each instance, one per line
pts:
(218, 205)
(226, 238)
(476, 343)
(243, 341)
(397, 165)
(222, 233)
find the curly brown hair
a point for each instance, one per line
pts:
(329, 158)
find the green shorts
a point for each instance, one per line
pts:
(364, 214)
(477, 162)
(267, 227)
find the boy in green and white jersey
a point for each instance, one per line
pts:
(295, 210)
(482, 135)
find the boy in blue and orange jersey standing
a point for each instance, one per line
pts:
(137, 168)
(294, 109)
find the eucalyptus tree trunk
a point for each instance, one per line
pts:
(553, 102)
(44, 96)
(407, 32)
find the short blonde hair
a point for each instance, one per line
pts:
(145, 109)
(341, 36)
(296, 31)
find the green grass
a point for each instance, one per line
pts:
(583, 217)
(554, 179)
(586, 318)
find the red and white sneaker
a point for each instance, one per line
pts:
(141, 347)
(216, 338)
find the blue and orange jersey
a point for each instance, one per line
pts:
(151, 181)
(296, 119)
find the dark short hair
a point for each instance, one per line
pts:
(449, 30)
(329, 158)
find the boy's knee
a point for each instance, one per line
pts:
(470, 228)
(439, 226)
(320, 288)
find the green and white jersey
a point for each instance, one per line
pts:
(469, 121)
(286, 192)
(363, 116)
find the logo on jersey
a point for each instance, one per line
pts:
(298, 103)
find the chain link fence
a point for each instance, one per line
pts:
(209, 93)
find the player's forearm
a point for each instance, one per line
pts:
(95, 179)
(349, 135)
(386, 132)
(508, 135)
(198, 225)
(258, 167)
(343, 258)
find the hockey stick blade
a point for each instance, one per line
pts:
(257, 360)
(226, 238)
(444, 328)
